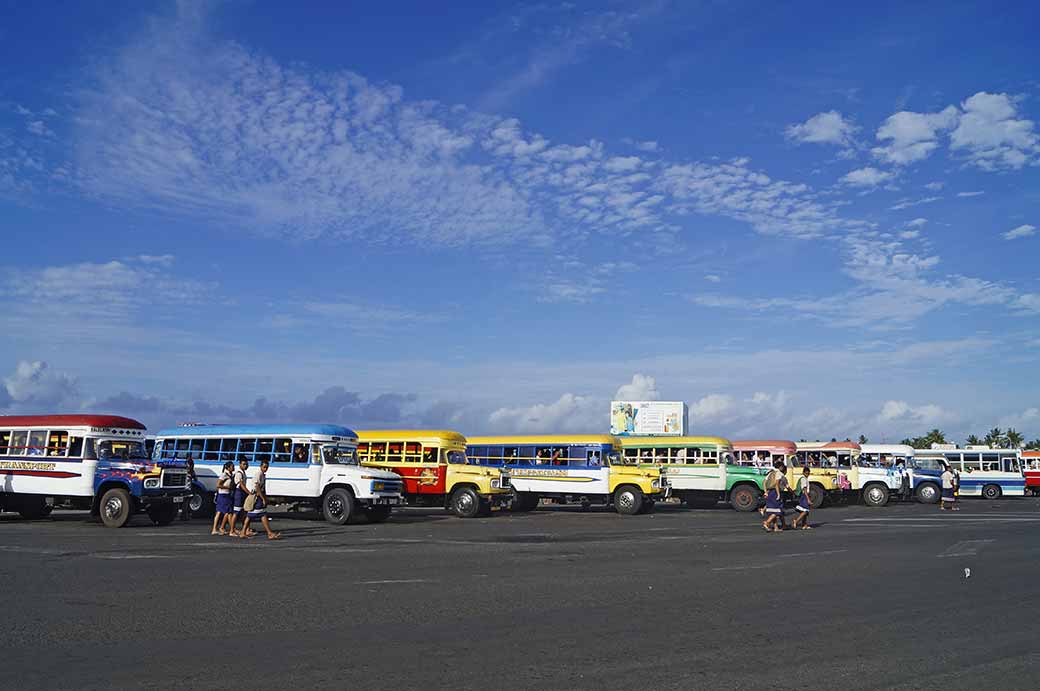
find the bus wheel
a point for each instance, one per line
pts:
(465, 503)
(927, 493)
(201, 504)
(991, 492)
(744, 498)
(816, 496)
(163, 514)
(377, 514)
(33, 508)
(628, 500)
(115, 508)
(338, 506)
(875, 495)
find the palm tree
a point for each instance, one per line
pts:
(995, 438)
(972, 440)
(863, 439)
(1014, 439)
(1033, 445)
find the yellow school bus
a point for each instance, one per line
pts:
(435, 469)
(570, 468)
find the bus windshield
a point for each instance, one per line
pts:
(121, 449)
(339, 455)
(457, 457)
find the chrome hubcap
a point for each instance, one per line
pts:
(928, 493)
(196, 502)
(464, 502)
(626, 500)
(113, 507)
(874, 495)
(336, 506)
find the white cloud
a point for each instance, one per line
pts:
(711, 407)
(909, 203)
(713, 278)
(867, 177)
(912, 136)
(641, 388)
(970, 194)
(909, 234)
(569, 413)
(935, 186)
(917, 223)
(823, 128)
(33, 386)
(993, 135)
(928, 414)
(1022, 231)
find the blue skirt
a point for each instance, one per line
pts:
(947, 495)
(240, 499)
(803, 504)
(258, 509)
(773, 504)
(224, 503)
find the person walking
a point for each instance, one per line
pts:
(904, 480)
(222, 514)
(774, 503)
(804, 503)
(238, 481)
(259, 508)
(949, 499)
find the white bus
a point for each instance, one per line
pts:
(309, 465)
(984, 472)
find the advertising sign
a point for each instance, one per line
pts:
(644, 418)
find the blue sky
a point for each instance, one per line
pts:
(806, 221)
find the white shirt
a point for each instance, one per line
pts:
(947, 479)
(222, 480)
(240, 477)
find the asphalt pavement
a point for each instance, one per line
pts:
(555, 599)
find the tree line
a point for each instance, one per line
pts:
(996, 438)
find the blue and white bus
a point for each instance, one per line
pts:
(984, 472)
(313, 465)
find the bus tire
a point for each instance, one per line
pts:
(337, 506)
(33, 508)
(115, 508)
(927, 493)
(201, 504)
(465, 502)
(992, 492)
(875, 495)
(163, 514)
(817, 495)
(744, 498)
(377, 514)
(628, 500)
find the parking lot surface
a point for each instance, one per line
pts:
(897, 597)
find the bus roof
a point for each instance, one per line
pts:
(765, 445)
(888, 448)
(547, 439)
(672, 441)
(247, 430)
(70, 421)
(819, 445)
(410, 434)
(967, 449)
(1031, 454)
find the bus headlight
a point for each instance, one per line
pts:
(495, 483)
(151, 483)
(378, 485)
(656, 484)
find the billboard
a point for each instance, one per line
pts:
(640, 418)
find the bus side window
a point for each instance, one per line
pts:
(5, 442)
(228, 450)
(429, 454)
(75, 447)
(211, 451)
(283, 450)
(511, 455)
(412, 452)
(57, 443)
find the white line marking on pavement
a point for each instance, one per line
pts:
(745, 568)
(393, 582)
(964, 548)
(133, 556)
(812, 554)
(945, 519)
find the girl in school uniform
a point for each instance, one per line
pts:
(222, 516)
(774, 502)
(804, 505)
(240, 492)
(259, 511)
(949, 497)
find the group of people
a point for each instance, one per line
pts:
(776, 487)
(236, 500)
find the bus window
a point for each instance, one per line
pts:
(362, 450)
(196, 447)
(429, 454)
(395, 452)
(76, 447)
(412, 452)
(511, 454)
(990, 462)
(1010, 464)
(594, 459)
(5, 442)
(211, 451)
(229, 450)
(631, 454)
(57, 443)
(455, 457)
(37, 443)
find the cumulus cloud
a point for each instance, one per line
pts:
(823, 128)
(993, 135)
(901, 411)
(970, 194)
(867, 177)
(1022, 231)
(568, 413)
(912, 137)
(641, 388)
(34, 387)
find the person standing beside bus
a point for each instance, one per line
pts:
(241, 492)
(222, 515)
(804, 503)
(949, 499)
(904, 480)
(259, 509)
(186, 506)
